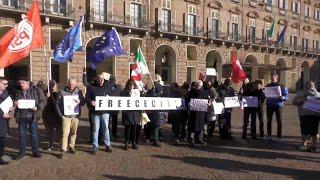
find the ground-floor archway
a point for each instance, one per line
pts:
(108, 65)
(281, 71)
(59, 71)
(251, 67)
(165, 63)
(214, 61)
(305, 74)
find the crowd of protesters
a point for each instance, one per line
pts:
(191, 126)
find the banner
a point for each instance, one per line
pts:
(272, 91)
(6, 105)
(231, 102)
(71, 105)
(199, 105)
(312, 105)
(138, 103)
(249, 101)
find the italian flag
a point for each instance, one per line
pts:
(139, 69)
(271, 30)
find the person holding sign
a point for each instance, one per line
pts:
(29, 103)
(226, 90)
(5, 116)
(99, 117)
(130, 119)
(309, 120)
(197, 119)
(69, 102)
(275, 105)
(250, 96)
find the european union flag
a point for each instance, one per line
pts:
(108, 45)
(282, 35)
(71, 43)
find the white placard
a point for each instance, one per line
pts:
(6, 105)
(312, 105)
(70, 105)
(26, 103)
(2, 72)
(231, 102)
(218, 107)
(113, 103)
(272, 91)
(198, 105)
(135, 93)
(249, 101)
(211, 72)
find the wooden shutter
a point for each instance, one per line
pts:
(209, 28)
(144, 15)
(109, 9)
(299, 7)
(158, 18)
(198, 21)
(173, 17)
(127, 13)
(185, 22)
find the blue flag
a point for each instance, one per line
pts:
(282, 35)
(71, 43)
(108, 45)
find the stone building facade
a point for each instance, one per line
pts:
(179, 38)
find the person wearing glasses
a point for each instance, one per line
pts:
(4, 119)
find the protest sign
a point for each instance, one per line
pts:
(312, 105)
(6, 105)
(138, 103)
(211, 72)
(198, 105)
(26, 103)
(231, 102)
(71, 105)
(249, 101)
(218, 107)
(272, 91)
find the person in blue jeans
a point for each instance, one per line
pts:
(28, 118)
(99, 117)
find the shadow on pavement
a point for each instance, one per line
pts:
(236, 166)
(160, 178)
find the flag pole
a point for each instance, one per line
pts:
(49, 67)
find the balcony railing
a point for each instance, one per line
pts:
(118, 20)
(47, 8)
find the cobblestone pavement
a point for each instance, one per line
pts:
(220, 159)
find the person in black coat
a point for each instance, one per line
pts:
(115, 89)
(225, 90)
(175, 117)
(197, 119)
(50, 116)
(154, 116)
(249, 90)
(4, 118)
(130, 119)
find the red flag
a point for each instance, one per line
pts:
(238, 74)
(17, 43)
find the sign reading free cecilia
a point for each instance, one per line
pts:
(106, 103)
